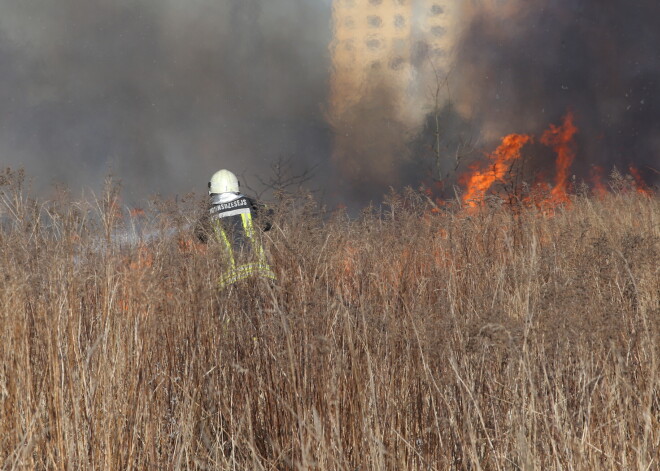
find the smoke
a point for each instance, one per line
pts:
(598, 58)
(517, 66)
(159, 92)
(162, 93)
(370, 145)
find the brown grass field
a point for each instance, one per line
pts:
(407, 339)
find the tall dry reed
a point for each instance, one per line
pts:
(403, 339)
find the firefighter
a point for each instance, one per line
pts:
(231, 220)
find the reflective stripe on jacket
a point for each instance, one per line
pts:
(230, 218)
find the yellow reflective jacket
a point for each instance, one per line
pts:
(230, 221)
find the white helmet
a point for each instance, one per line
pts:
(223, 181)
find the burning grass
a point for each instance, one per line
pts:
(494, 339)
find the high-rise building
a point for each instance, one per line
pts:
(404, 45)
(390, 59)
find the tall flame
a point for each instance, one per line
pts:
(560, 138)
(545, 196)
(640, 186)
(480, 181)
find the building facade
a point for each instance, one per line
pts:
(405, 45)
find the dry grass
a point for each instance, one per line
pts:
(407, 340)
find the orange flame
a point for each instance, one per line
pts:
(560, 138)
(144, 259)
(137, 212)
(640, 186)
(430, 191)
(543, 195)
(480, 181)
(190, 245)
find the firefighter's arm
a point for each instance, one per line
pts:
(203, 229)
(264, 215)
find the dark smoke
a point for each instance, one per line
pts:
(370, 146)
(598, 58)
(160, 92)
(163, 92)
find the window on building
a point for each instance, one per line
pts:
(375, 2)
(437, 10)
(373, 44)
(374, 21)
(399, 21)
(438, 31)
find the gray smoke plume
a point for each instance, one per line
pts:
(597, 58)
(520, 66)
(161, 92)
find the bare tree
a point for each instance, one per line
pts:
(465, 145)
(284, 177)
